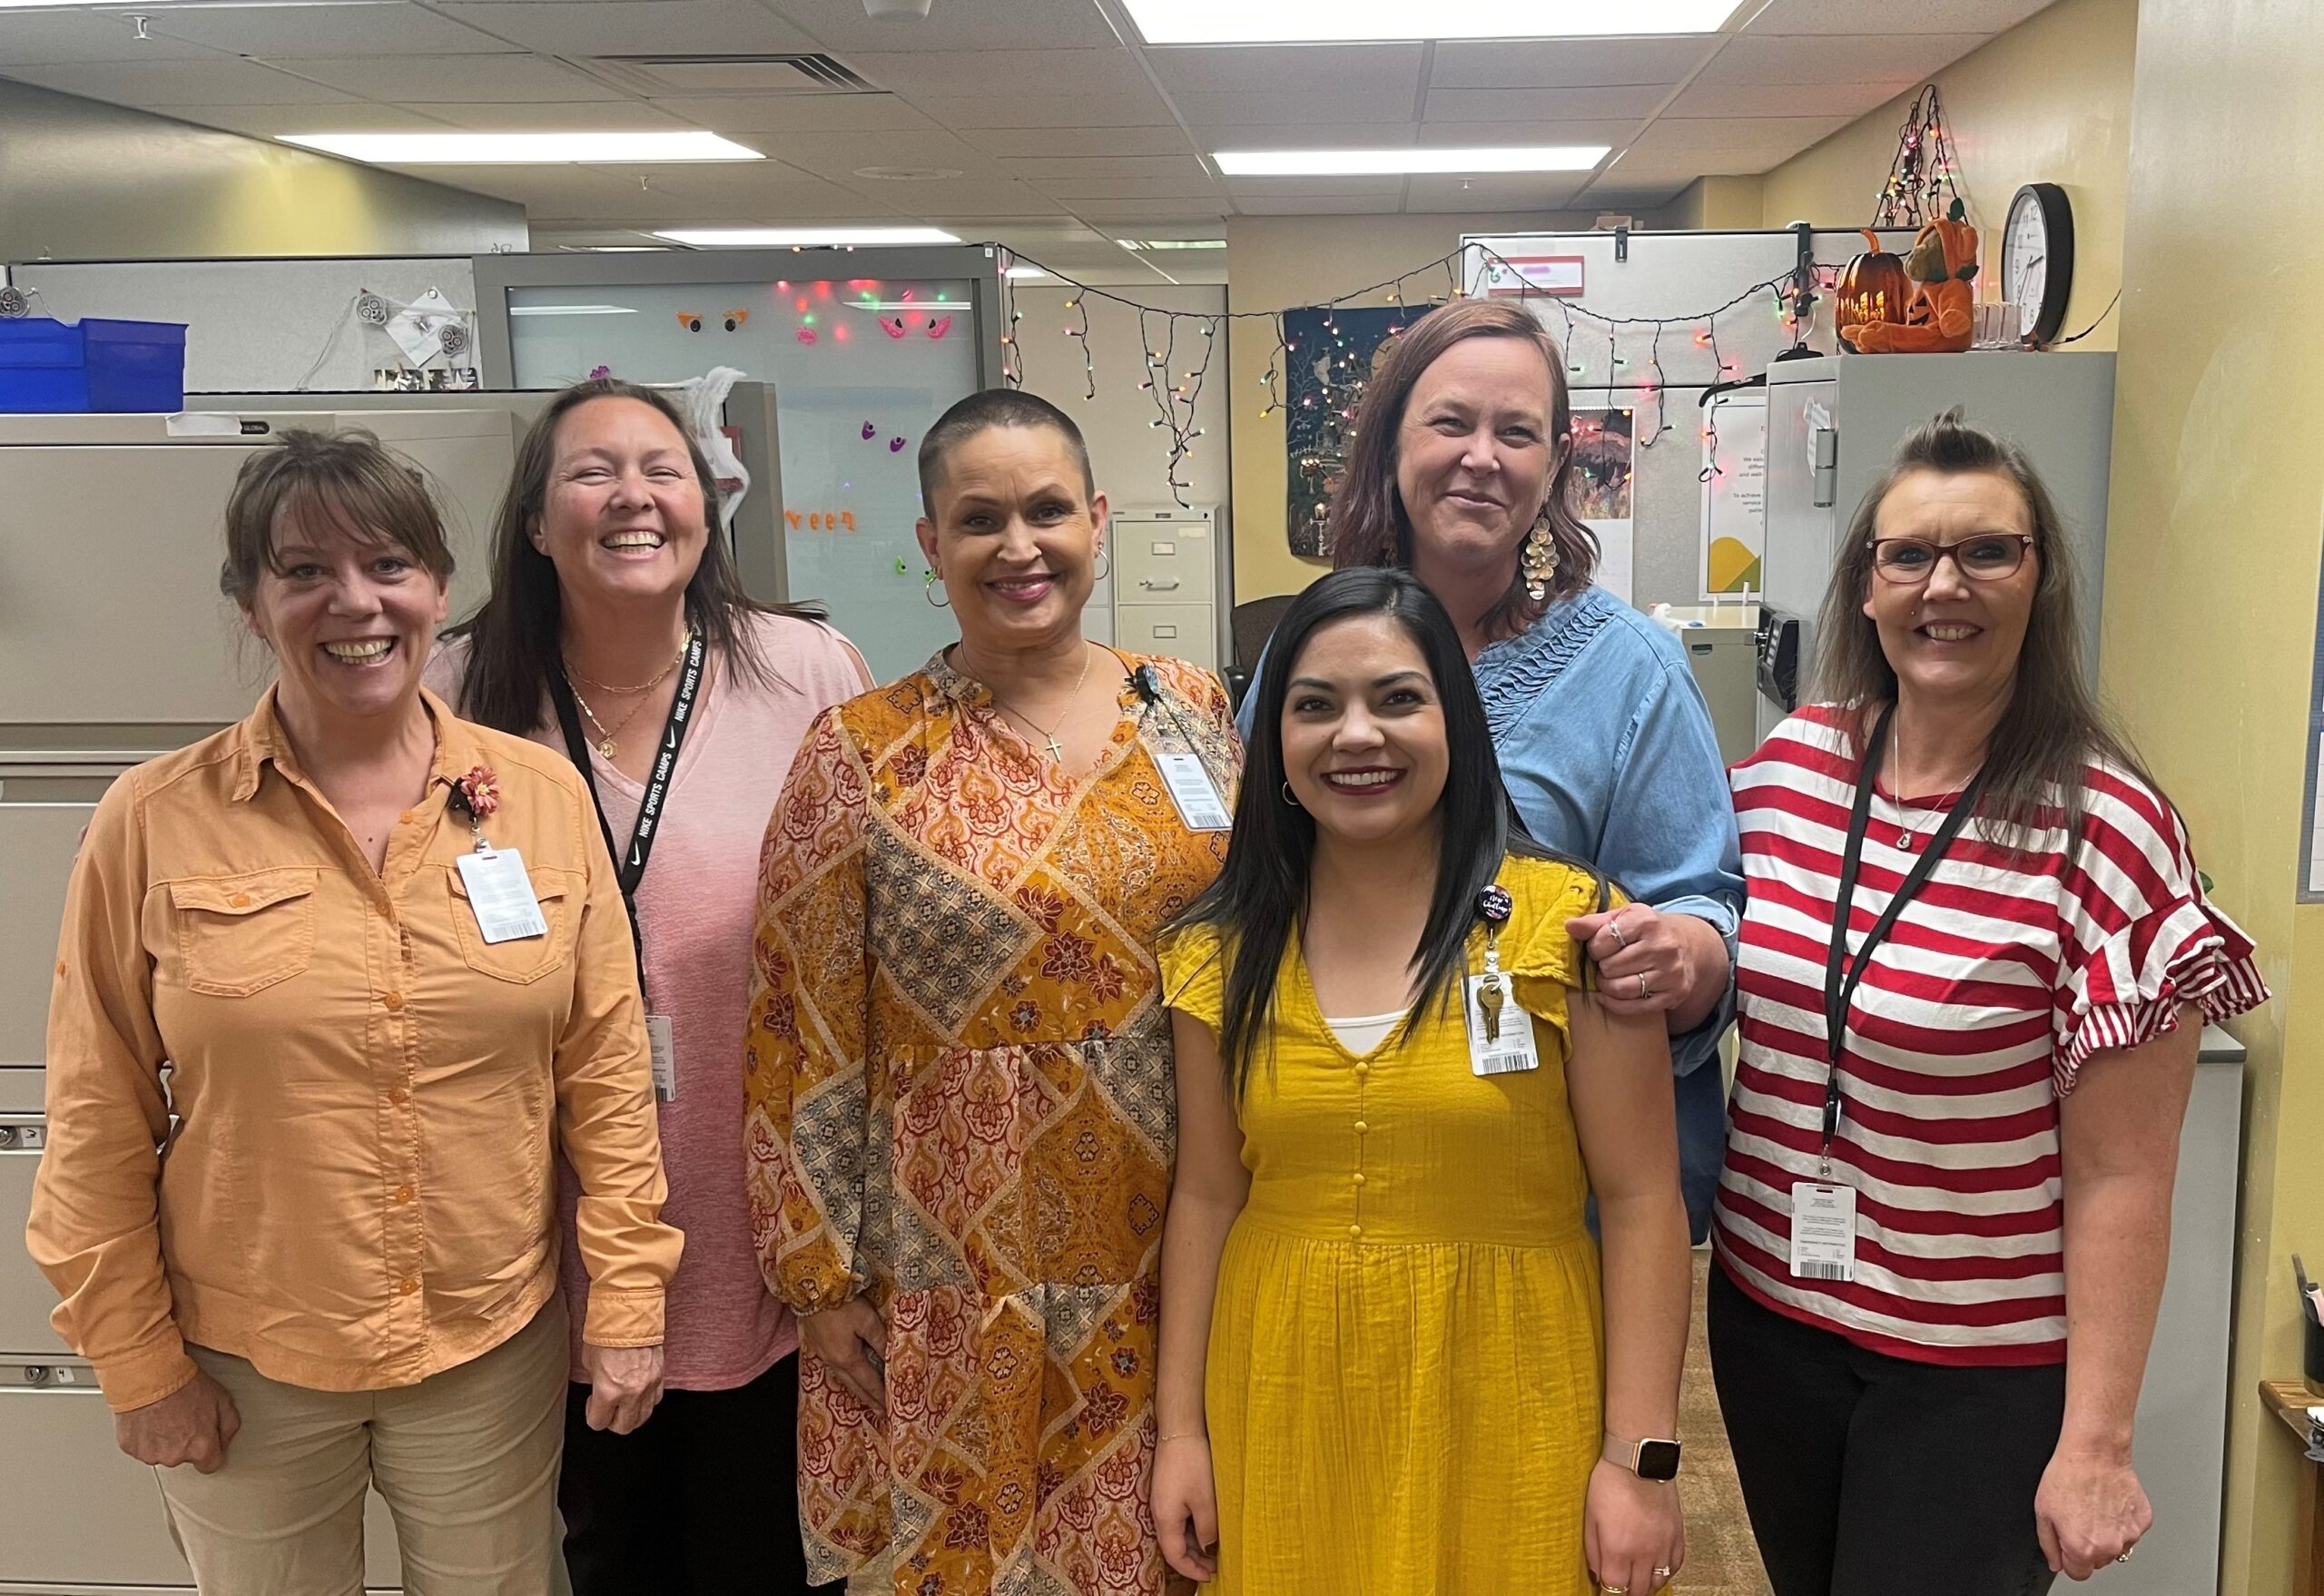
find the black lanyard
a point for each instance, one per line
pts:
(1839, 991)
(630, 868)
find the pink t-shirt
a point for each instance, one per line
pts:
(696, 908)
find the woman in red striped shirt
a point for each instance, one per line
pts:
(1945, 1212)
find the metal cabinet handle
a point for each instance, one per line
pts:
(1151, 585)
(23, 1137)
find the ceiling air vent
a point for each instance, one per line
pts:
(768, 75)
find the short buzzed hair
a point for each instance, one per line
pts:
(981, 412)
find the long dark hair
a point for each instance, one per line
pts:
(1258, 898)
(1369, 526)
(2054, 726)
(514, 642)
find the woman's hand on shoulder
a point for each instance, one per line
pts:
(1185, 1506)
(1650, 962)
(1632, 1532)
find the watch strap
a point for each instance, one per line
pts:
(1628, 1454)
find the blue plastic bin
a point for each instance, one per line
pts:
(52, 367)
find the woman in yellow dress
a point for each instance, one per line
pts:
(1388, 1365)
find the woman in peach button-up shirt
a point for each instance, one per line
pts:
(321, 1253)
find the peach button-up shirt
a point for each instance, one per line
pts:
(303, 1113)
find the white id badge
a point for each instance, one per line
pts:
(1512, 1052)
(1823, 1231)
(666, 1057)
(501, 893)
(1198, 802)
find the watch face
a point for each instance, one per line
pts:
(1657, 1459)
(2025, 260)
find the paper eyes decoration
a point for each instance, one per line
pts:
(732, 320)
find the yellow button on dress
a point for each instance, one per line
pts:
(1404, 1376)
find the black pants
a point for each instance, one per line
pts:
(701, 1499)
(1869, 1475)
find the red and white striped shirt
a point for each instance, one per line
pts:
(2012, 967)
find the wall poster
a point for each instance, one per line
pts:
(1330, 356)
(1735, 492)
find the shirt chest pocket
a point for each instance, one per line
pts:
(522, 959)
(239, 934)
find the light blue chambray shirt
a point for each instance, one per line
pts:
(1607, 749)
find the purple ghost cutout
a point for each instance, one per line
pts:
(895, 445)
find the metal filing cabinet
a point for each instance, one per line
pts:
(1166, 582)
(117, 646)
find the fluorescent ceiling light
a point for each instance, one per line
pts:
(800, 238)
(572, 309)
(1026, 273)
(1347, 162)
(1172, 243)
(524, 149)
(1289, 22)
(49, 4)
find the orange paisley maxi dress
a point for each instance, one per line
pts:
(961, 1104)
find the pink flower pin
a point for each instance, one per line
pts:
(479, 793)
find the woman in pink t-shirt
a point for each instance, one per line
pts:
(618, 631)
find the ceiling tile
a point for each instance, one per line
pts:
(964, 198)
(217, 81)
(1143, 109)
(1351, 69)
(952, 73)
(1079, 190)
(559, 117)
(755, 189)
(635, 28)
(1543, 190)
(1320, 205)
(1037, 168)
(1194, 212)
(1291, 108)
(1442, 135)
(1543, 104)
(272, 121)
(1324, 135)
(1565, 64)
(30, 38)
(815, 114)
(1785, 135)
(839, 155)
(1842, 99)
(1838, 58)
(423, 80)
(953, 24)
(278, 32)
(1633, 198)
(1010, 141)
(1854, 16)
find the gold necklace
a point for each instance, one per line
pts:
(1908, 835)
(607, 744)
(1056, 749)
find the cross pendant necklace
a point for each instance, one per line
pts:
(1056, 749)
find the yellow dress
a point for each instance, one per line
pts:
(1404, 1364)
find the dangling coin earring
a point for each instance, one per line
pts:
(1540, 559)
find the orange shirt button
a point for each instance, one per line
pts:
(240, 900)
(408, 816)
(408, 1286)
(397, 1094)
(394, 1001)
(403, 1193)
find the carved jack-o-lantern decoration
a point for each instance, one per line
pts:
(1872, 287)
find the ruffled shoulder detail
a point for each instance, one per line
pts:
(1194, 972)
(1512, 673)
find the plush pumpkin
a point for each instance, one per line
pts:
(1872, 287)
(1940, 316)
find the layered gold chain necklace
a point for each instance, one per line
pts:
(608, 744)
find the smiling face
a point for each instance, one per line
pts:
(623, 518)
(1364, 744)
(1475, 457)
(1015, 534)
(350, 620)
(1952, 639)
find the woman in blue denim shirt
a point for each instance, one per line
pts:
(1458, 471)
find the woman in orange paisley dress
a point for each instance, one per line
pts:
(961, 1119)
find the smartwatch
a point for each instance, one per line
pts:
(1649, 1460)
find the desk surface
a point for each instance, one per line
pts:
(2290, 1400)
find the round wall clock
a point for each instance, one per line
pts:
(2037, 260)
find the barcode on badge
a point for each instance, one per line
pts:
(1842, 1271)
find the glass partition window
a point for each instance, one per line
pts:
(860, 367)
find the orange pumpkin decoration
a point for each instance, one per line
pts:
(1872, 287)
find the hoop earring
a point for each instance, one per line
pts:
(1287, 796)
(928, 592)
(1104, 564)
(1540, 559)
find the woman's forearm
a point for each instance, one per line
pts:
(1712, 970)
(1192, 1243)
(1648, 1280)
(2117, 1248)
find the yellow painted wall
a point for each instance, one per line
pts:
(1717, 202)
(2049, 100)
(82, 179)
(1273, 263)
(2211, 562)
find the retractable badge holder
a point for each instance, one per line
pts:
(477, 795)
(500, 894)
(1493, 905)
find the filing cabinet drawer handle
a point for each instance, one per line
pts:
(23, 1137)
(1151, 585)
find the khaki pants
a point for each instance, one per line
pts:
(467, 1461)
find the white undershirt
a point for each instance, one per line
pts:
(1365, 1033)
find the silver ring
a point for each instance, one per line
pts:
(2126, 1556)
(1662, 1573)
(1616, 1590)
(1644, 991)
(1614, 926)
